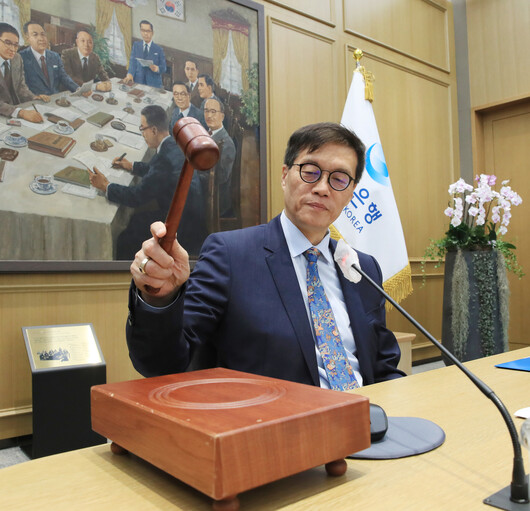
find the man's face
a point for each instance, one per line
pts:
(37, 38)
(191, 71)
(312, 207)
(181, 96)
(8, 45)
(213, 115)
(148, 132)
(205, 91)
(84, 43)
(147, 32)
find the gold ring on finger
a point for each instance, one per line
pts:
(141, 268)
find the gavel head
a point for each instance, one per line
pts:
(198, 147)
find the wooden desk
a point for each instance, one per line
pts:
(474, 462)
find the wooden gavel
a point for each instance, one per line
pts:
(201, 153)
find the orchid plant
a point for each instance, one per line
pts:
(479, 219)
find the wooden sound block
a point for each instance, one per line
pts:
(224, 432)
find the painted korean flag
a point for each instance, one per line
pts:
(370, 222)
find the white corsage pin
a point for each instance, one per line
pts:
(345, 257)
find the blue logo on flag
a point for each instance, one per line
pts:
(376, 165)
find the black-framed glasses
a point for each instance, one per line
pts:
(10, 44)
(211, 111)
(142, 128)
(311, 173)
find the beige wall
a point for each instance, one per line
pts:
(408, 45)
(499, 72)
(498, 40)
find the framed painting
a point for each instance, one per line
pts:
(106, 115)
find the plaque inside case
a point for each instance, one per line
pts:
(62, 346)
(224, 432)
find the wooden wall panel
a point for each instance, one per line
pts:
(499, 76)
(34, 300)
(302, 67)
(320, 10)
(506, 136)
(424, 304)
(498, 42)
(416, 28)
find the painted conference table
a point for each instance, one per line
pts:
(63, 226)
(474, 462)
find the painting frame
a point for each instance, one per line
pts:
(91, 265)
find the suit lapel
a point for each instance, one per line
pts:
(3, 83)
(284, 276)
(13, 71)
(4, 89)
(77, 66)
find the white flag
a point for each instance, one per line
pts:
(370, 222)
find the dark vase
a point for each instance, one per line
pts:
(486, 302)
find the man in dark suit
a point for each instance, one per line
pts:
(13, 88)
(214, 114)
(43, 68)
(146, 50)
(83, 65)
(192, 74)
(206, 89)
(159, 180)
(246, 305)
(183, 107)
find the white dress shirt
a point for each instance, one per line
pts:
(298, 244)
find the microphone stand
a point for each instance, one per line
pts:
(515, 496)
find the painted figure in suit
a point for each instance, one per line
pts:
(159, 180)
(214, 116)
(83, 65)
(43, 68)
(192, 74)
(206, 88)
(246, 305)
(13, 88)
(147, 50)
(183, 107)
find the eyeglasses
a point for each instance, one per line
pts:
(10, 44)
(142, 128)
(337, 179)
(211, 111)
(180, 94)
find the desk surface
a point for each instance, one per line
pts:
(63, 226)
(474, 462)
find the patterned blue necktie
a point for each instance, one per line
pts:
(146, 51)
(338, 368)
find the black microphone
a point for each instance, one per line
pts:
(515, 496)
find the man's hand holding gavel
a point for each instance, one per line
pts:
(157, 269)
(162, 266)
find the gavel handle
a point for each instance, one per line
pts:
(177, 206)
